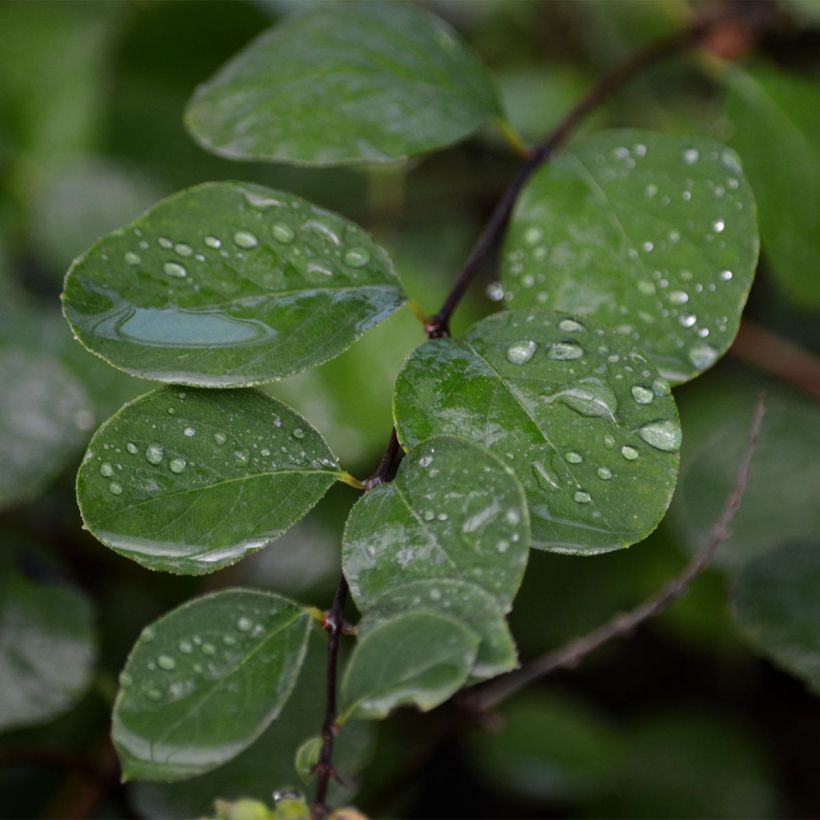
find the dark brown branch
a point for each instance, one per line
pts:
(573, 653)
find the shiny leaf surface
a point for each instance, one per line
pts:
(229, 284)
(417, 658)
(189, 481)
(203, 682)
(651, 235)
(358, 82)
(583, 419)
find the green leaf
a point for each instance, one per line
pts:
(192, 481)
(229, 284)
(48, 649)
(652, 235)
(307, 756)
(454, 511)
(776, 605)
(356, 82)
(268, 763)
(779, 501)
(585, 421)
(551, 748)
(776, 119)
(44, 419)
(204, 681)
(462, 601)
(417, 658)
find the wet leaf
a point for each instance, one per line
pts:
(229, 284)
(776, 605)
(651, 235)
(48, 649)
(360, 82)
(454, 511)
(45, 416)
(189, 481)
(782, 112)
(204, 681)
(583, 419)
(417, 658)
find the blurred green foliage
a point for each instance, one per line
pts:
(686, 720)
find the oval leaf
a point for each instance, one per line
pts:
(48, 649)
(454, 511)
(652, 235)
(776, 119)
(462, 601)
(357, 82)
(203, 682)
(585, 421)
(229, 284)
(192, 481)
(44, 418)
(776, 604)
(417, 658)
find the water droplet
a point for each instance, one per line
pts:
(164, 242)
(609, 441)
(691, 156)
(189, 432)
(678, 297)
(532, 236)
(512, 517)
(186, 647)
(661, 387)
(688, 319)
(442, 516)
(503, 546)
(604, 473)
(245, 239)
(495, 292)
(177, 465)
(244, 624)
(114, 488)
(582, 497)
(357, 257)
(125, 680)
(429, 515)
(573, 458)
(641, 394)
(662, 435)
(106, 469)
(646, 288)
(220, 438)
(131, 447)
(282, 232)
(174, 269)
(565, 351)
(148, 634)
(208, 649)
(718, 225)
(571, 326)
(298, 433)
(132, 258)
(241, 456)
(166, 662)
(154, 453)
(183, 249)
(591, 398)
(702, 355)
(629, 453)
(425, 461)
(154, 694)
(545, 479)
(726, 275)
(213, 242)
(521, 352)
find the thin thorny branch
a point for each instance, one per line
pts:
(438, 326)
(570, 655)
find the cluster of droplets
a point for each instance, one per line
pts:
(176, 671)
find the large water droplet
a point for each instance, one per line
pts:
(572, 457)
(678, 297)
(245, 239)
(177, 465)
(298, 433)
(571, 326)
(132, 258)
(154, 453)
(662, 435)
(244, 624)
(114, 488)
(357, 257)
(661, 387)
(604, 473)
(213, 242)
(565, 351)
(166, 662)
(106, 470)
(220, 438)
(495, 291)
(545, 478)
(582, 497)
(642, 395)
(629, 453)
(175, 269)
(691, 156)
(132, 448)
(183, 249)
(521, 352)
(590, 397)
(702, 355)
